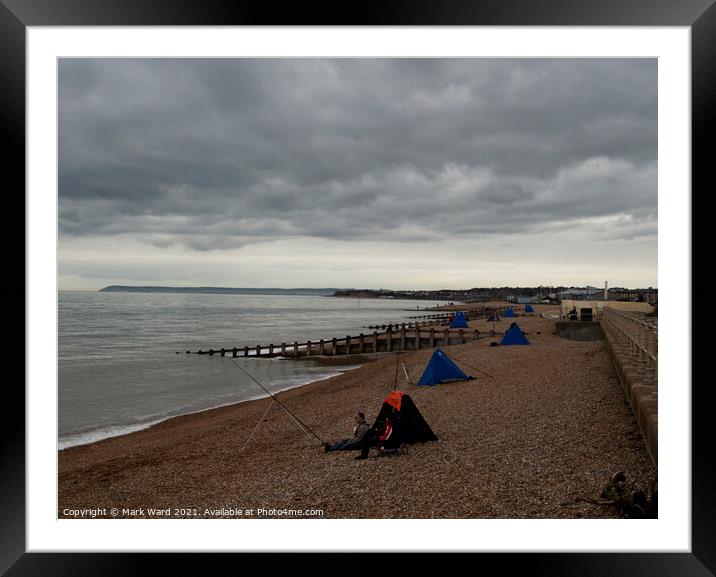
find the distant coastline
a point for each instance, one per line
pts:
(219, 290)
(440, 295)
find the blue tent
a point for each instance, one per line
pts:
(514, 336)
(529, 309)
(508, 312)
(441, 369)
(458, 321)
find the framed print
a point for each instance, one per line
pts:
(168, 152)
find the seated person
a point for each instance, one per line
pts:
(389, 438)
(354, 443)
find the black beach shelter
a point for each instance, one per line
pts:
(409, 426)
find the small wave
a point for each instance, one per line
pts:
(87, 437)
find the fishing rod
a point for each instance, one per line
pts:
(273, 401)
(475, 368)
(275, 398)
(407, 374)
(395, 382)
(399, 363)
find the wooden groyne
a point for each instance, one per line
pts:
(633, 340)
(442, 318)
(472, 313)
(398, 339)
(415, 325)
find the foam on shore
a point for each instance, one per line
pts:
(94, 435)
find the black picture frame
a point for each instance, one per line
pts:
(17, 15)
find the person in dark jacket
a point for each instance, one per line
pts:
(354, 443)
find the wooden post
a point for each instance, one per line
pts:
(402, 337)
(308, 348)
(417, 338)
(389, 334)
(477, 335)
(283, 349)
(258, 350)
(223, 352)
(375, 342)
(334, 350)
(348, 345)
(321, 347)
(295, 348)
(233, 352)
(361, 340)
(462, 336)
(432, 336)
(246, 351)
(271, 350)
(447, 337)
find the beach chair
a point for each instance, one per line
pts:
(388, 443)
(392, 445)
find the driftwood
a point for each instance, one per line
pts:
(632, 502)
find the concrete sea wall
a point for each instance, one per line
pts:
(633, 342)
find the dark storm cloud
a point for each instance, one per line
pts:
(220, 153)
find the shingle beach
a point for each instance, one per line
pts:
(548, 430)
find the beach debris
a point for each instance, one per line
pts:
(631, 501)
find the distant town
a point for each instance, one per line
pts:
(520, 295)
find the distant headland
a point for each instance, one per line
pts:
(219, 290)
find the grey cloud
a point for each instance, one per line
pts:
(215, 154)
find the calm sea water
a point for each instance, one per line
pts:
(118, 370)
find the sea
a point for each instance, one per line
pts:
(122, 362)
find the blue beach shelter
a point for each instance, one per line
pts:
(441, 369)
(529, 309)
(508, 312)
(514, 336)
(458, 321)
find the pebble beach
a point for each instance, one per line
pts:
(537, 433)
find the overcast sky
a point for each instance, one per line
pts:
(357, 173)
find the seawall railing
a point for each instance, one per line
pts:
(633, 340)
